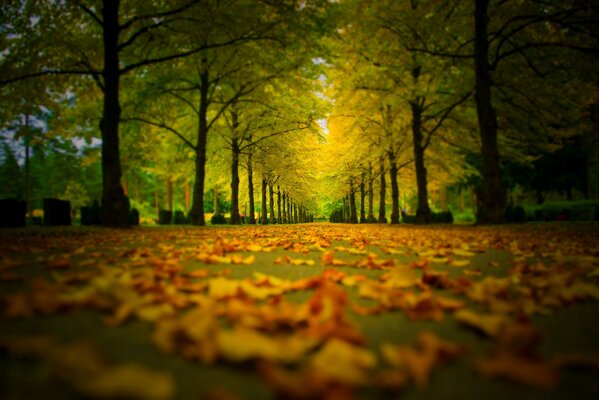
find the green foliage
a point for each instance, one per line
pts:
(77, 194)
(443, 217)
(11, 176)
(581, 210)
(467, 216)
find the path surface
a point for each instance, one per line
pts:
(301, 311)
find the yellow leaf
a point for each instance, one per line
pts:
(344, 362)
(222, 287)
(459, 263)
(489, 324)
(244, 344)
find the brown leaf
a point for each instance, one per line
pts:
(528, 371)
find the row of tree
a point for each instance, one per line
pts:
(238, 72)
(423, 88)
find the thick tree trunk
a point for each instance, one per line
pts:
(492, 202)
(423, 212)
(264, 205)
(197, 207)
(271, 193)
(115, 208)
(394, 189)
(370, 194)
(382, 217)
(353, 215)
(362, 198)
(289, 216)
(279, 216)
(235, 218)
(252, 213)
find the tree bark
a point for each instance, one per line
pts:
(187, 190)
(273, 220)
(197, 208)
(394, 189)
(284, 198)
(252, 213)
(353, 215)
(264, 205)
(279, 216)
(215, 200)
(492, 202)
(423, 212)
(370, 194)
(591, 141)
(27, 141)
(235, 151)
(115, 210)
(382, 217)
(362, 198)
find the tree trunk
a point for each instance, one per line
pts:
(394, 189)
(591, 141)
(252, 213)
(187, 190)
(264, 205)
(197, 208)
(370, 194)
(273, 220)
(169, 194)
(27, 140)
(115, 210)
(215, 200)
(362, 198)
(382, 217)
(279, 216)
(353, 215)
(235, 151)
(492, 202)
(423, 212)
(284, 198)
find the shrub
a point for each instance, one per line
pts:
(165, 217)
(508, 214)
(443, 217)
(519, 214)
(179, 218)
(408, 219)
(134, 217)
(218, 219)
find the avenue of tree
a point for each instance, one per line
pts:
(211, 101)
